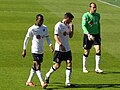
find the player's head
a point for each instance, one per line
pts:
(39, 19)
(68, 17)
(92, 7)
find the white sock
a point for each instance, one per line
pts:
(68, 75)
(52, 69)
(39, 74)
(32, 72)
(97, 58)
(84, 61)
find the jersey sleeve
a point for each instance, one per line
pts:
(29, 34)
(46, 32)
(56, 29)
(48, 41)
(47, 37)
(84, 23)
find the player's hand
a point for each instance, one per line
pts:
(52, 49)
(24, 53)
(90, 37)
(71, 26)
(62, 48)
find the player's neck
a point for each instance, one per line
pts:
(92, 12)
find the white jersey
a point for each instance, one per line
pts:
(37, 34)
(62, 31)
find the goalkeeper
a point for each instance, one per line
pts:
(91, 29)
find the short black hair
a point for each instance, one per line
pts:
(40, 16)
(68, 14)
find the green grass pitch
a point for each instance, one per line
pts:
(15, 18)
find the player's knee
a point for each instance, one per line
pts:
(86, 53)
(33, 68)
(69, 63)
(56, 65)
(37, 68)
(98, 52)
(36, 65)
(69, 68)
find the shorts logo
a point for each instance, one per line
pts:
(85, 46)
(37, 58)
(57, 60)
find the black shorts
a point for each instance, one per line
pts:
(37, 57)
(60, 56)
(88, 44)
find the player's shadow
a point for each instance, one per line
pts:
(95, 86)
(59, 85)
(109, 72)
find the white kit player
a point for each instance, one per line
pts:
(37, 33)
(63, 31)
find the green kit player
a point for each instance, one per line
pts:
(91, 29)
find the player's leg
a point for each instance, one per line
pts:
(97, 58)
(97, 46)
(87, 46)
(68, 72)
(68, 59)
(52, 69)
(29, 81)
(55, 66)
(32, 72)
(39, 73)
(38, 58)
(85, 58)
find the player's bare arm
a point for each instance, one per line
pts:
(51, 47)
(59, 42)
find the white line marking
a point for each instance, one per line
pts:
(108, 3)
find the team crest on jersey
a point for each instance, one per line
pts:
(57, 60)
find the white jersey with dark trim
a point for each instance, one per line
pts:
(62, 31)
(37, 34)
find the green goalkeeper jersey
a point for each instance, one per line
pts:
(91, 23)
